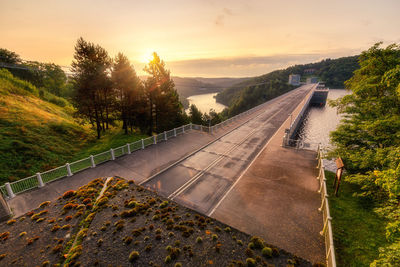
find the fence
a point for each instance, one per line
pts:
(326, 216)
(9, 190)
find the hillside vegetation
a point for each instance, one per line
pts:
(34, 134)
(252, 92)
(127, 225)
(37, 135)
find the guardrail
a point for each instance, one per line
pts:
(294, 125)
(326, 232)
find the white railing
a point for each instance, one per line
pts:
(9, 190)
(326, 232)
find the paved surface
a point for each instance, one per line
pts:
(201, 180)
(277, 199)
(138, 166)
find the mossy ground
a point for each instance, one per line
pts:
(130, 225)
(358, 231)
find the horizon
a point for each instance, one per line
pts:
(207, 39)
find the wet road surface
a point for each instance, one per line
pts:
(202, 179)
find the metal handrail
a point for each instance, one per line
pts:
(327, 231)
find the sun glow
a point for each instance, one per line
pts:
(147, 57)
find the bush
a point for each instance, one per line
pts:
(251, 262)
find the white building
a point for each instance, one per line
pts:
(294, 79)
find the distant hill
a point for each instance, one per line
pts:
(127, 225)
(251, 92)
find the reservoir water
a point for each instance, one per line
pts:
(205, 102)
(319, 122)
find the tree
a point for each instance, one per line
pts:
(196, 117)
(128, 88)
(165, 109)
(368, 139)
(9, 57)
(93, 93)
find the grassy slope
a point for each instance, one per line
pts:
(36, 135)
(358, 231)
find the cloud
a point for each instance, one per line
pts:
(220, 19)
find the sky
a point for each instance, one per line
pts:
(206, 38)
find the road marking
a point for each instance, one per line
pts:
(245, 170)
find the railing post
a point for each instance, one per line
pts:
(112, 154)
(9, 190)
(154, 139)
(129, 148)
(165, 136)
(201, 128)
(39, 178)
(191, 126)
(183, 129)
(92, 161)
(142, 143)
(69, 172)
(175, 132)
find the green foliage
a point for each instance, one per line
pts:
(252, 92)
(368, 138)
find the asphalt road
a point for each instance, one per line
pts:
(202, 179)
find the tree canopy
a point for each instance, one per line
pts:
(368, 138)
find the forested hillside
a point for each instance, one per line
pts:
(255, 91)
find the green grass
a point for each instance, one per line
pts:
(37, 135)
(358, 231)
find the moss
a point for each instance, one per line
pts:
(69, 194)
(266, 252)
(22, 234)
(43, 204)
(39, 220)
(9, 222)
(134, 255)
(55, 228)
(163, 204)
(66, 227)
(167, 259)
(251, 262)
(127, 240)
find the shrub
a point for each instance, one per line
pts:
(266, 252)
(250, 245)
(127, 240)
(66, 227)
(199, 240)
(99, 242)
(227, 229)
(4, 235)
(167, 259)
(158, 231)
(57, 248)
(103, 200)
(68, 218)
(214, 237)
(133, 256)
(55, 228)
(39, 220)
(2, 256)
(148, 248)
(178, 264)
(45, 263)
(217, 229)
(251, 262)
